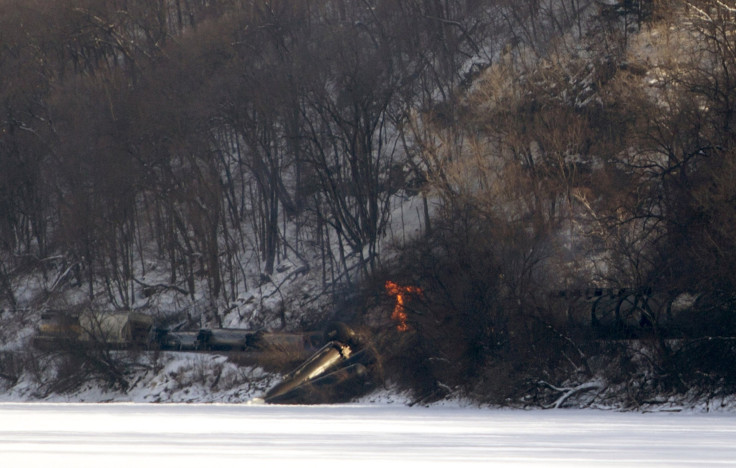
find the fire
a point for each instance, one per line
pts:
(399, 313)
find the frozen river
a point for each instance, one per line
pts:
(143, 435)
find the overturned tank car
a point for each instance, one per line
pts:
(340, 370)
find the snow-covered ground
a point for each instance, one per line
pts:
(217, 435)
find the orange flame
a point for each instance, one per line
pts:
(399, 313)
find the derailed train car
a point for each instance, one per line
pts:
(341, 364)
(343, 368)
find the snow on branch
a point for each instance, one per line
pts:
(705, 16)
(728, 8)
(567, 392)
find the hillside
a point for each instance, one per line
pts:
(552, 181)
